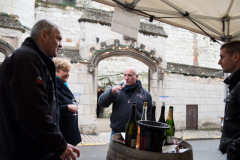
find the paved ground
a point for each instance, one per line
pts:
(104, 130)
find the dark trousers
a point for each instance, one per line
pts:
(228, 158)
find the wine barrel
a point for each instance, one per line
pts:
(118, 151)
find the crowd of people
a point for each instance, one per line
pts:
(38, 111)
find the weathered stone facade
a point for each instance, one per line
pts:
(164, 54)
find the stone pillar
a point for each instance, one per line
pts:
(83, 82)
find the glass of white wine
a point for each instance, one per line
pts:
(122, 83)
(75, 102)
(177, 140)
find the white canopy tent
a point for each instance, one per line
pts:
(218, 19)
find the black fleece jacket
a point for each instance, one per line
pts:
(28, 111)
(122, 104)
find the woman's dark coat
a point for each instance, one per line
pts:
(68, 122)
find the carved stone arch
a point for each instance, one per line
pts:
(129, 53)
(137, 53)
(5, 47)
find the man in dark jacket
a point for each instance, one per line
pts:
(122, 99)
(230, 62)
(28, 111)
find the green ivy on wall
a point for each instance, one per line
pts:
(58, 3)
(69, 2)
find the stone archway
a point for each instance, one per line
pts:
(86, 78)
(116, 49)
(138, 53)
(5, 47)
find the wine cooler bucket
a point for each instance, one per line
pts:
(152, 135)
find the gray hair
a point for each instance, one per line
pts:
(42, 24)
(133, 68)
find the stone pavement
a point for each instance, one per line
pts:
(103, 137)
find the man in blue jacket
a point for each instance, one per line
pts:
(230, 63)
(28, 111)
(122, 99)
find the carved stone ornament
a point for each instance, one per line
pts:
(152, 52)
(103, 45)
(159, 59)
(142, 46)
(92, 49)
(91, 69)
(160, 76)
(116, 42)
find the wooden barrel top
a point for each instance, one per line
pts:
(118, 151)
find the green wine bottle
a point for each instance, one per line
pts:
(131, 129)
(171, 131)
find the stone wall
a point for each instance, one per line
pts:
(180, 45)
(80, 81)
(207, 93)
(66, 18)
(24, 9)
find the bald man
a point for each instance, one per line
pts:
(122, 99)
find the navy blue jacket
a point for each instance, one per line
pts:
(68, 122)
(122, 103)
(28, 111)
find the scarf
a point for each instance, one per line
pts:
(65, 83)
(130, 89)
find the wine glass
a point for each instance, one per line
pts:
(75, 102)
(177, 140)
(122, 83)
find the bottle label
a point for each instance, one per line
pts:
(133, 143)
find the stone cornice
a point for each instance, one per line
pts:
(105, 18)
(191, 70)
(10, 21)
(72, 54)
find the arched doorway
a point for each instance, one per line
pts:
(2, 57)
(147, 58)
(5, 49)
(110, 73)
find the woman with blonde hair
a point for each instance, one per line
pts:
(68, 120)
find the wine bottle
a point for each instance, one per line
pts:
(143, 117)
(144, 111)
(162, 116)
(131, 129)
(171, 131)
(153, 117)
